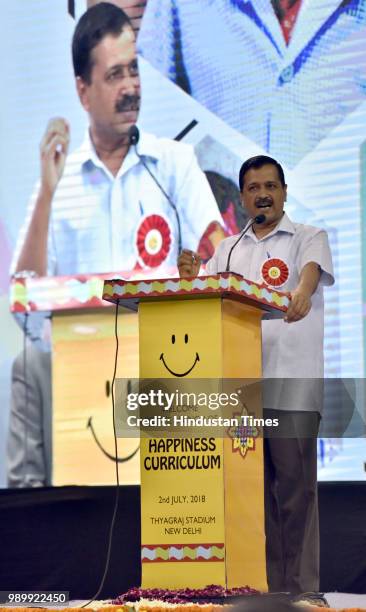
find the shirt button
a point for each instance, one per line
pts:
(287, 74)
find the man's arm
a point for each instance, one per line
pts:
(300, 303)
(201, 218)
(53, 151)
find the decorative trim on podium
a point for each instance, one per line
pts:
(226, 283)
(56, 293)
(158, 553)
(53, 293)
(96, 290)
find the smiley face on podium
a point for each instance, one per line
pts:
(180, 339)
(165, 358)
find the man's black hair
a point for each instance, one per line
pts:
(97, 22)
(258, 162)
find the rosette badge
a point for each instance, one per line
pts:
(153, 241)
(275, 272)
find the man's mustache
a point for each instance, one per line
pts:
(263, 201)
(127, 103)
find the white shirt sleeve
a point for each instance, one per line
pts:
(195, 201)
(316, 249)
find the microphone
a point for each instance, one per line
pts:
(258, 219)
(134, 137)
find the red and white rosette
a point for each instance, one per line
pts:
(153, 241)
(275, 272)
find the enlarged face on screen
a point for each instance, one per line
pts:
(112, 98)
(263, 193)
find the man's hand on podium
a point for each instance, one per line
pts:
(300, 304)
(189, 263)
(299, 307)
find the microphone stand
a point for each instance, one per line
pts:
(134, 136)
(258, 219)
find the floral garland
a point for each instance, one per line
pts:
(209, 594)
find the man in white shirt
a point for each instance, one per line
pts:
(92, 209)
(87, 211)
(295, 258)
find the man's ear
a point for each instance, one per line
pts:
(82, 89)
(285, 190)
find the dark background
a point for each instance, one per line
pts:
(55, 539)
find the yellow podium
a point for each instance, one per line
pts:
(202, 505)
(83, 353)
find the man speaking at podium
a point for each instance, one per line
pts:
(90, 208)
(295, 258)
(87, 210)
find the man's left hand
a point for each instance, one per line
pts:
(299, 306)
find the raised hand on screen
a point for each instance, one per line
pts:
(53, 150)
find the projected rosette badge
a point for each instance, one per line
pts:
(153, 241)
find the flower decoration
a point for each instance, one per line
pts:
(210, 593)
(153, 241)
(243, 436)
(275, 272)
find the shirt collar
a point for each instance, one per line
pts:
(285, 225)
(87, 151)
(148, 146)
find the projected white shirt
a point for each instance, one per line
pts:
(96, 216)
(289, 350)
(231, 56)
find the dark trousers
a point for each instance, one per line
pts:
(291, 502)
